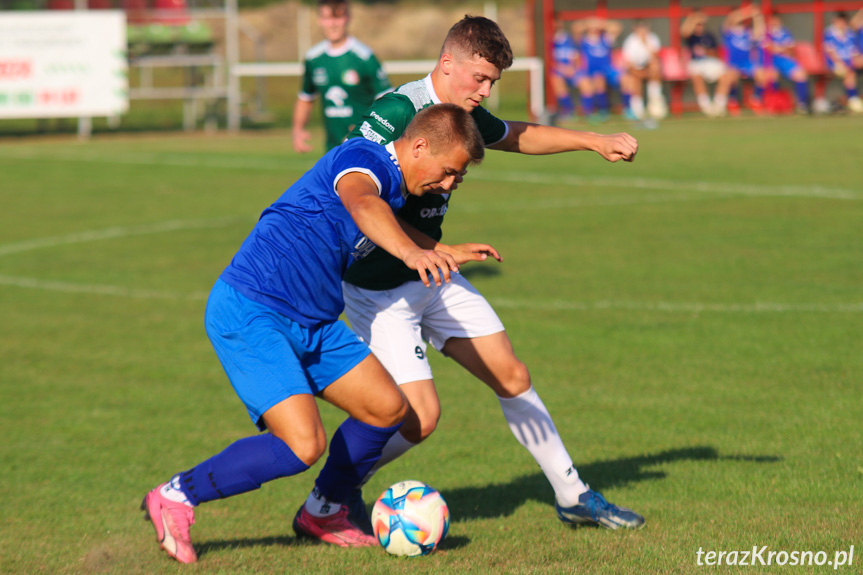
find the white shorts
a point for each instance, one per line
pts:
(711, 69)
(397, 323)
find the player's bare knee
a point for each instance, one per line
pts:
(308, 450)
(390, 410)
(517, 382)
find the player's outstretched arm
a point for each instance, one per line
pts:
(376, 220)
(527, 138)
(461, 253)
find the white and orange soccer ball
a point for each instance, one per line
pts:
(410, 519)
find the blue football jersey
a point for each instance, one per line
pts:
(781, 37)
(597, 51)
(295, 257)
(843, 43)
(564, 49)
(739, 44)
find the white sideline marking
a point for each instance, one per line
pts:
(665, 307)
(278, 164)
(118, 232)
(91, 289)
(677, 307)
(668, 185)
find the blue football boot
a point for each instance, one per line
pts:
(592, 508)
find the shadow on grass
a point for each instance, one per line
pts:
(480, 270)
(218, 544)
(500, 500)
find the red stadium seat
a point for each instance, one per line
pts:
(673, 65)
(810, 60)
(171, 12)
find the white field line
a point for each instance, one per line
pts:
(517, 304)
(675, 307)
(91, 289)
(116, 232)
(523, 177)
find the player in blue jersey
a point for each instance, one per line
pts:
(742, 31)
(567, 73)
(777, 52)
(857, 26)
(399, 319)
(596, 37)
(844, 57)
(272, 318)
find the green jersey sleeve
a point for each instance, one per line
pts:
(308, 85)
(385, 120)
(491, 128)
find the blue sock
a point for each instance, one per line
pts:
(802, 90)
(587, 105)
(774, 85)
(243, 466)
(602, 101)
(565, 107)
(354, 449)
(733, 92)
(625, 99)
(759, 93)
(851, 92)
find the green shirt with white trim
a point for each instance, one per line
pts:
(349, 78)
(385, 122)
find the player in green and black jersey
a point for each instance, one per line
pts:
(396, 315)
(342, 70)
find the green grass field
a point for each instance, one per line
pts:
(693, 321)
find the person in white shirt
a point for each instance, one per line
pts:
(641, 58)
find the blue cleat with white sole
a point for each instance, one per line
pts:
(593, 509)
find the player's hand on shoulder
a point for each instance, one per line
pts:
(438, 264)
(615, 147)
(471, 252)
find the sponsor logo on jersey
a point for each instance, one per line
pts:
(335, 112)
(337, 96)
(363, 248)
(350, 77)
(320, 77)
(433, 212)
(384, 122)
(369, 134)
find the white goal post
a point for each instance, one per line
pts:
(533, 66)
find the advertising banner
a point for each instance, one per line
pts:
(63, 64)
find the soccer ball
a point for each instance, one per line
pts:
(410, 519)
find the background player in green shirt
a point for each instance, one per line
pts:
(396, 315)
(344, 71)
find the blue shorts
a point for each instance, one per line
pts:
(784, 65)
(269, 357)
(611, 74)
(832, 65)
(746, 69)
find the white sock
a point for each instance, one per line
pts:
(704, 103)
(172, 492)
(395, 448)
(636, 104)
(532, 426)
(654, 91)
(720, 101)
(319, 506)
